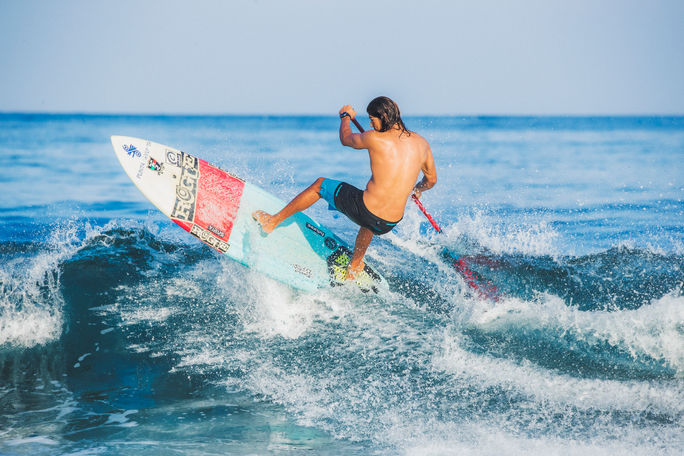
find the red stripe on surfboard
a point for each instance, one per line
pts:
(217, 201)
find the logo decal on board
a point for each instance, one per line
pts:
(209, 239)
(216, 231)
(186, 190)
(314, 229)
(131, 150)
(330, 243)
(146, 153)
(302, 270)
(154, 165)
(173, 158)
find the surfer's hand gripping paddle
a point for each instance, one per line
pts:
(485, 289)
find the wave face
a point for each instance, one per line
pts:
(121, 334)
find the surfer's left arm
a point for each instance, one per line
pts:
(347, 136)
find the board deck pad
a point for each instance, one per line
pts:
(216, 207)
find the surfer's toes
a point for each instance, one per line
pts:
(263, 220)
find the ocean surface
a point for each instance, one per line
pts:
(122, 334)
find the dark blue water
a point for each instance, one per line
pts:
(121, 334)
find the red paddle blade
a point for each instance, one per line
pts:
(483, 288)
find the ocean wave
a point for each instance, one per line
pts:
(643, 342)
(394, 369)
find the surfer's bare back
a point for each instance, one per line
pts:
(397, 156)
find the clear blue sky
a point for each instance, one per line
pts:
(312, 56)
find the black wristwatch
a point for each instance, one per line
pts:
(344, 114)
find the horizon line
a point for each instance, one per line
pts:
(272, 114)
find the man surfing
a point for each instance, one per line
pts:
(397, 156)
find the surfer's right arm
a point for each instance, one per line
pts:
(347, 136)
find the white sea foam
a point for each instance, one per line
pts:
(655, 331)
(277, 310)
(121, 419)
(32, 325)
(557, 392)
(485, 439)
(534, 238)
(148, 314)
(30, 300)
(39, 439)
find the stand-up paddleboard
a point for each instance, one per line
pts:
(216, 207)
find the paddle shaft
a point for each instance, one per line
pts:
(358, 125)
(428, 216)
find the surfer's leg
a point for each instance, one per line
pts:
(363, 240)
(300, 202)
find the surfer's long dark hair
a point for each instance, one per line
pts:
(388, 112)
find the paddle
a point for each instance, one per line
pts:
(483, 288)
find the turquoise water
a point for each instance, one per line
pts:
(121, 334)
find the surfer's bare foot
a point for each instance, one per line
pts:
(265, 220)
(353, 271)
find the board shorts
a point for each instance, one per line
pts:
(348, 200)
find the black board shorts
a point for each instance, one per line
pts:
(348, 200)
